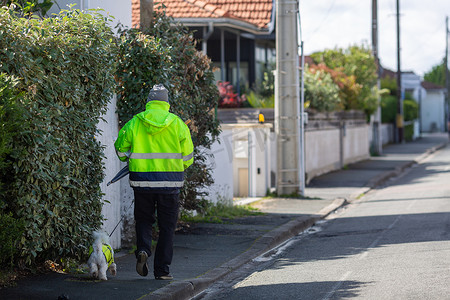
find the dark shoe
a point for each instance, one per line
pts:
(164, 277)
(141, 265)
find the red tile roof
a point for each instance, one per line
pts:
(255, 12)
(431, 86)
(135, 13)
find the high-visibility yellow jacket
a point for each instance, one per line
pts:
(159, 148)
(107, 252)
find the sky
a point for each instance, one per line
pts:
(327, 24)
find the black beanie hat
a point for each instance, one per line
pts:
(158, 92)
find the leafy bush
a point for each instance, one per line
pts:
(259, 101)
(410, 110)
(359, 62)
(12, 231)
(30, 7)
(65, 65)
(388, 109)
(11, 122)
(262, 94)
(349, 89)
(164, 53)
(321, 93)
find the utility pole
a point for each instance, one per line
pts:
(446, 74)
(287, 93)
(146, 13)
(376, 118)
(399, 119)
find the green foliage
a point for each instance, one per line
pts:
(11, 121)
(390, 84)
(388, 109)
(437, 74)
(321, 93)
(66, 66)
(29, 8)
(259, 101)
(166, 54)
(262, 94)
(12, 231)
(216, 213)
(410, 110)
(359, 62)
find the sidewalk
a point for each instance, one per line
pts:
(204, 253)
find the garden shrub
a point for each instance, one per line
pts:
(321, 93)
(166, 53)
(357, 61)
(65, 64)
(10, 235)
(11, 123)
(388, 109)
(262, 94)
(259, 101)
(410, 110)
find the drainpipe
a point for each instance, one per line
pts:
(222, 54)
(238, 62)
(206, 36)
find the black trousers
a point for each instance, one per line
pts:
(147, 208)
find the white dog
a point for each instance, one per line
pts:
(101, 257)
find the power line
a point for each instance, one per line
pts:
(325, 18)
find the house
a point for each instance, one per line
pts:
(430, 98)
(238, 35)
(432, 107)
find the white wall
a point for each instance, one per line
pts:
(111, 199)
(242, 146)
(387, 134)
(323, 148)
(356, 146)
(222, 168)
(322, 152)
(433, 112)
(119, 9)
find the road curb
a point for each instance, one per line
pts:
(382, 178)
(186, 289)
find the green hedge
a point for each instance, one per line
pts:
(389, 109)
(11, 121)
(12, 113)
(65, 64)
(166, 54)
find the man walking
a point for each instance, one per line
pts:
(159, 148)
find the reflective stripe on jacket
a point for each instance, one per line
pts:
(158, 146)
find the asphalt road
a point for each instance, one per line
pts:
(394, 243)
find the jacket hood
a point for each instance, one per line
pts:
(156, 116)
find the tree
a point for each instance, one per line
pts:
(436, 74)
(165, 53)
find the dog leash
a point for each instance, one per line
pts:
(121, 218)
